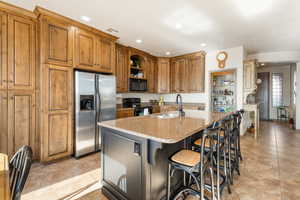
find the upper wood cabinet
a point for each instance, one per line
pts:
(21, 121)
(3, 122)
(179, 75)
(163, 75)
(250, 76)
(151, 74)
(57, 128)
(122, 68)
(57, 42)
(196, 73)
(105, 55)
(3, 54)
(85, 49)
(21, 53)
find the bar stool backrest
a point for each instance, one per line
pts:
(19, 167)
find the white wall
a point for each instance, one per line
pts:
(286, 71)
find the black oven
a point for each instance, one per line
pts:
(137, 85)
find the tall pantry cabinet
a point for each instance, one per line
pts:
(65, 45)
(17, 80)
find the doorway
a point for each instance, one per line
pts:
(263, 95)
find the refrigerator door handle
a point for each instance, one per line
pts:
(98, 101)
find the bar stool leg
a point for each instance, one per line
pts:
(169, 182)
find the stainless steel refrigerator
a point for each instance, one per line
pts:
(95, 101)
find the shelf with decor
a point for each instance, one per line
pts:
(223, 91)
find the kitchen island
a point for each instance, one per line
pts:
(135, 151)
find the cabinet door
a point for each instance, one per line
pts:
(21, 53)
(151, 74)
(3, 50)
(163, 76)
(85, 47)
(175, 76)
(122, 69)
(183, 75)
(196, 74)
(249, 76)
(21, 121)
(57, 113)
(3, 122)
(104, 58)
(58, 41)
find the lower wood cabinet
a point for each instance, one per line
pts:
(123, 113)
(57, 113)
(17, 121)
(21, 121)
(3, 122)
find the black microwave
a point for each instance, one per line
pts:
(137, 85)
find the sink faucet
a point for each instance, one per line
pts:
(179, 103)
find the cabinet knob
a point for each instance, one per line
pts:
(4, 81)
(4, 98)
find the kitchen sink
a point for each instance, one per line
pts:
(168, 115)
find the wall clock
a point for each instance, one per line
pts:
(221, 58)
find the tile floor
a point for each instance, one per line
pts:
(57, 180)
(270, 170)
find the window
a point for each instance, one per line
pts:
(277, 89)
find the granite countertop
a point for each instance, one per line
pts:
(168, 130)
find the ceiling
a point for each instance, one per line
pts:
(181, 26)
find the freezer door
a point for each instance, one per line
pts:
(85, 113)
(106, 101)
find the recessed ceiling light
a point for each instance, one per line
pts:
(85, 18)
(139, 41)
(178, 26)
(203, 44)
(262, 64)
(168, 53)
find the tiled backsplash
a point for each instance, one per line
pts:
(146, 97)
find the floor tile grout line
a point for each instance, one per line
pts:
(278, 163)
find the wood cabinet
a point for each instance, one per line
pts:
(85, 49)
(151, 74)
(3, 53)
(188, 73)
(179, 75)
(57, 42)
(3, 122)
(122, 68)
(57, 113)
(104, 57)
(250, 76)
(21, 53)
(163, 75)
(196, 73)
(94, 52)
(21, 121)
(123, 113)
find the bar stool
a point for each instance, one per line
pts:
(196, 165)
(220, 137)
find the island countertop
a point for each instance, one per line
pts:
(165, 130)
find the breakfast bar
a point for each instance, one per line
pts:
(135, 151)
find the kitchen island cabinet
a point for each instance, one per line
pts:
(135, 152)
